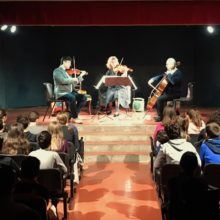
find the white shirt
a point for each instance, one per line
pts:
(48, 159)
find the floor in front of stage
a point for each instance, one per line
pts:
(113, 190)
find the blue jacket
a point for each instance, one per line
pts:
(210, 151)
(174, 86)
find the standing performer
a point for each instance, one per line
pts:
(172, 90)
(120, 94)
(64, 88)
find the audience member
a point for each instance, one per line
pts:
(15, 142)
(58, 143)
(9, 209)
(172, 151)
(210, 148)
(169, 117)
(30, 168)
(48, 159)
(189, 197)
(3, 117)
(22, 119)
(33, 127)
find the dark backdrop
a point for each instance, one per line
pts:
(29, 57)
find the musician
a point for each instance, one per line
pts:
(119, 94)
(64, 89)
(173, 89)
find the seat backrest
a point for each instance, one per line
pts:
(211, 174)
(52, 180)
(189, 91)
(66, 160)
(49, 91)
(71, 151)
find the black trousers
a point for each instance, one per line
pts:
(162, 100)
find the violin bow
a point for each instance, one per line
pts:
(74, 66)
(121, 60)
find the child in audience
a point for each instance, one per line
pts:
(15, 142)
(210, 148)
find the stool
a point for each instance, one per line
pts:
(138, 105)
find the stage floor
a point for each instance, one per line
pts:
(129, 118)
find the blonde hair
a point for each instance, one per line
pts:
(15, 142)
(62, 118)
(57, 140)
(109, 61)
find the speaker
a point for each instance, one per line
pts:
(138, 105)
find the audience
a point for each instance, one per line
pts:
(210, 148)
(3, 117)
(22, 119)
(15, 141)
(48, 159)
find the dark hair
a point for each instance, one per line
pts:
(169, 115)
(162, 137)
(22, 119)
(30, 167)
(33, 116)
(212, 130)
(173, 131)
(44, 139)
(214, 117)
(3, 113)
(65, 58)
(189, 162)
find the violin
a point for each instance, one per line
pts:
(73, 71)
(122, 68)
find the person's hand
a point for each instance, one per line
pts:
(150, 82)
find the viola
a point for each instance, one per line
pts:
(122, 68)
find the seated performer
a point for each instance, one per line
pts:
(64, 88)
(173, 89)
(120, 94)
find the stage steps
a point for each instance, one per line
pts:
(116, 143)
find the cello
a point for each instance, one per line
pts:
(158, 90)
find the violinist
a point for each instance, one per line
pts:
(64, 89)
(172, 90)
(120, 94)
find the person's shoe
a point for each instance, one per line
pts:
(76, 121)
(116, 114)
(157, 119)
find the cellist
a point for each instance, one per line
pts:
(172, 90)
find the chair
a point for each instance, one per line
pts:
(152, 153)
(50, 97)
(188, 98)
(168, 172)
(211, 172)
(34, 202)
(52, 179)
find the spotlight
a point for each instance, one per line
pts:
(210, 29)
(13, 29)
(4, 27)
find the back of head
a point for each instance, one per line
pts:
(213, 130)
(189, 163)
(44, 139)
(22, 119)
(30, 167)
(214, 117)
(1, 124)
(173, 131)
(183, 122)
(169, 115)
(62, 118)
(8, 180)
(195, 117)
(54, 128)
(162, 137)
(33, 116)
